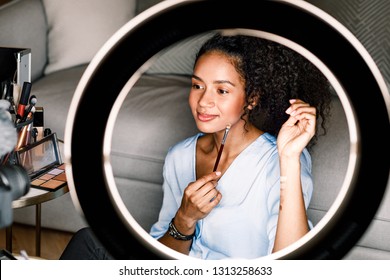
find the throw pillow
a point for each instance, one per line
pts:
(179, 58)
(79, 28)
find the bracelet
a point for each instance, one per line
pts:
(176, 234)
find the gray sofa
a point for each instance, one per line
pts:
(151, 118)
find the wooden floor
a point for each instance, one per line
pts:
(23, 238)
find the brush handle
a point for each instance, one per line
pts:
(221, 148)
(218, 158)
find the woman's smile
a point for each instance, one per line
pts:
(206, 117)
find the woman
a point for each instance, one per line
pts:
(255, 202)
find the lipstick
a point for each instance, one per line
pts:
(24, 97)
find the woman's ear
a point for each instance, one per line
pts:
(253, 101)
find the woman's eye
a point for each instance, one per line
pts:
(197, 86)
(222, 91)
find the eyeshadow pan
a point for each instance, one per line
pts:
(61, 177)
(37, 182)
(52, 184)
(55, 171)
(50, 181)
(46, 176)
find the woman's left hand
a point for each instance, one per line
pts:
(298, 130)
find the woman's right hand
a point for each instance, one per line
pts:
(199, 198)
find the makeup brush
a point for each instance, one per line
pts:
(33, 101)
(24, 136)
(221, 147)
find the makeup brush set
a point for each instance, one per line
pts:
(16, 101)
(36, 149)
(21, 113)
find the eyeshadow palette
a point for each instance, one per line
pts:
(51, 180)
(43, 163)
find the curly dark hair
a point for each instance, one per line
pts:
(273, 74)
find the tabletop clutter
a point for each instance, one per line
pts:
(36, 147)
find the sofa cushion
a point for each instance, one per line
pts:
(375, 242)
(54, 93)
(179, 57)
(27, 33)
(142, 199)
(78, 28)
(154, 116)
(330, 158)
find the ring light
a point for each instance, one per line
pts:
(328, 44)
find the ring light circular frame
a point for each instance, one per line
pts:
(298, 25)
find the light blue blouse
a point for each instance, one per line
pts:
(243, 224)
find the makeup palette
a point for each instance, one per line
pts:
(43, 163)
(51, 180)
